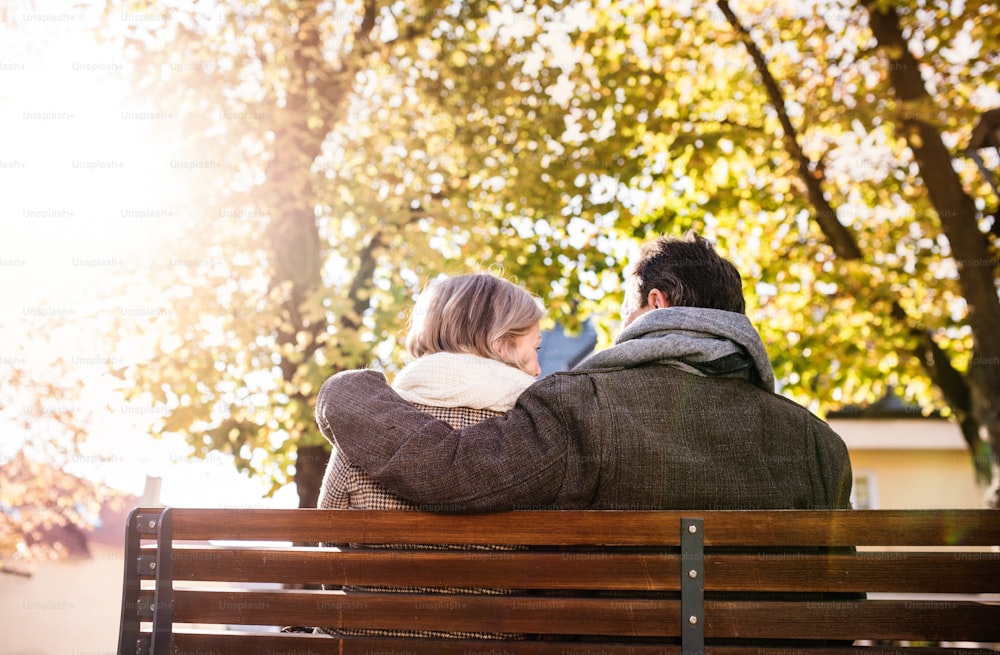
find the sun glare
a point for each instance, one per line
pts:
(80, 185)
(88, 201)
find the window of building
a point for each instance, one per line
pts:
(864, 494)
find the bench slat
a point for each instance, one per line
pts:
(599, 527)
(305, 645)
(518, 570)
(230, 643)
(900, 572)
(910, 619)
(881, 572)
(191, 643)
(432, 612)
(915, 620)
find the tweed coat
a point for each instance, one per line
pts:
(626, 432)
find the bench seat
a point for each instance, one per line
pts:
(748, 582)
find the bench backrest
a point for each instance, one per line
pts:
(589, 582)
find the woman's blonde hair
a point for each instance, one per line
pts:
(479, 314)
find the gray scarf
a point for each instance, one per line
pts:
(708, 342)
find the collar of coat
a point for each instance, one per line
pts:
(708, 342)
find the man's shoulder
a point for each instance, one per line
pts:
(578, 381)
(795, 407)
(790, 412)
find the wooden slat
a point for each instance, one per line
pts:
(881, 572)
(228, 643)
(506, 569)
(517, 614)
(234, 643)
(889, 648)
(853, 528)
(922, 620)
(916, 620)
(724, 528)
(382, 527)
(899, 572)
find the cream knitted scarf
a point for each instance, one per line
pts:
(461, 380)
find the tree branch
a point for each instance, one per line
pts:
(956, 211)
(838, 236)
(943, 374)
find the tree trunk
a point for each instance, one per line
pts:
(293, 236)
(969, 246)
(974, 397)
(310, 465)
(316, 94)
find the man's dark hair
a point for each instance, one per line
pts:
(690, 273)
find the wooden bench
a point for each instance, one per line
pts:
(220, 581)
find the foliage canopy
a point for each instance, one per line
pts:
(547, 138)
(329, 159)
